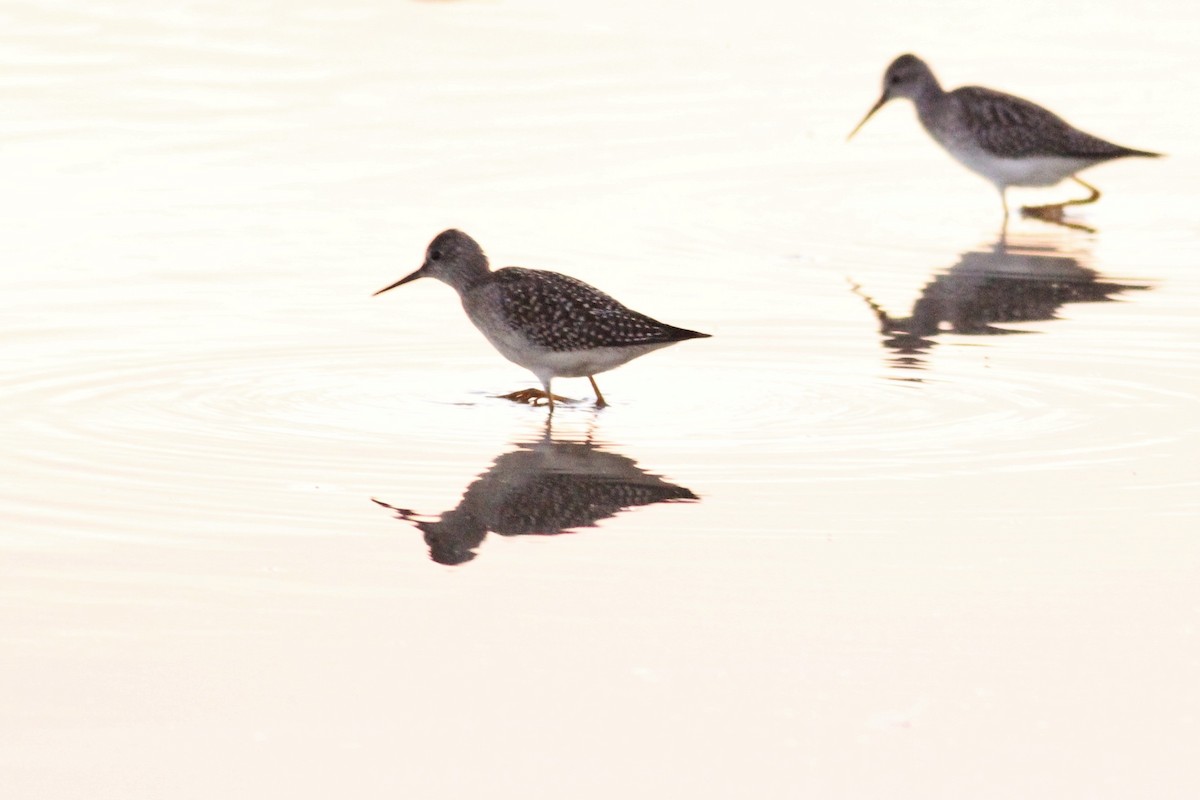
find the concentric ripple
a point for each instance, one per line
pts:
(240, 435)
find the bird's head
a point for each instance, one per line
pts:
(453, 258)
(907, 76)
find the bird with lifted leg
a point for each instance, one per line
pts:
(1006, 139)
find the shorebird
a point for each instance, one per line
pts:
(551, 324)
(1006, 139)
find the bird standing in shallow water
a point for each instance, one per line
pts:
(1008, 140)
(549, 323)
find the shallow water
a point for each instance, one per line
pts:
(919, 520)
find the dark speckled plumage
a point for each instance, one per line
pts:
(1012, 127)
(551, 324)
(562, 313)
(1008, 140)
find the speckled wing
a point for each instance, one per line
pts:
(551, 503)
(558, 312)
(1012, 127)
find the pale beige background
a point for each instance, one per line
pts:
(975, 579)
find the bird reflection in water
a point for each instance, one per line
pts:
(541, 488)
(987, 289)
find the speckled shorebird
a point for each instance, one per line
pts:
(549, 323)
(1008, 140)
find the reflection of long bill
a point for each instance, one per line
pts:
(883, 99)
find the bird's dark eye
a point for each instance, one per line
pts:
(435, 255)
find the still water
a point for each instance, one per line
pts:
(919, 520)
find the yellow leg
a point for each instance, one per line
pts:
(1091, 198)
(1054, 211)
(599, 397)
(1004, 203)
(531, 396)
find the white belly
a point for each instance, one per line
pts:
(579, 363)
(1031, 171)
(546, 364)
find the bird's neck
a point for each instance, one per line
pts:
(929, 100)
(469, 276)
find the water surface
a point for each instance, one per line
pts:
(918, 520)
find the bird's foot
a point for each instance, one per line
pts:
(532, 396)
(1055, 214)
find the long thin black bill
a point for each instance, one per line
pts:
(400, 282)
